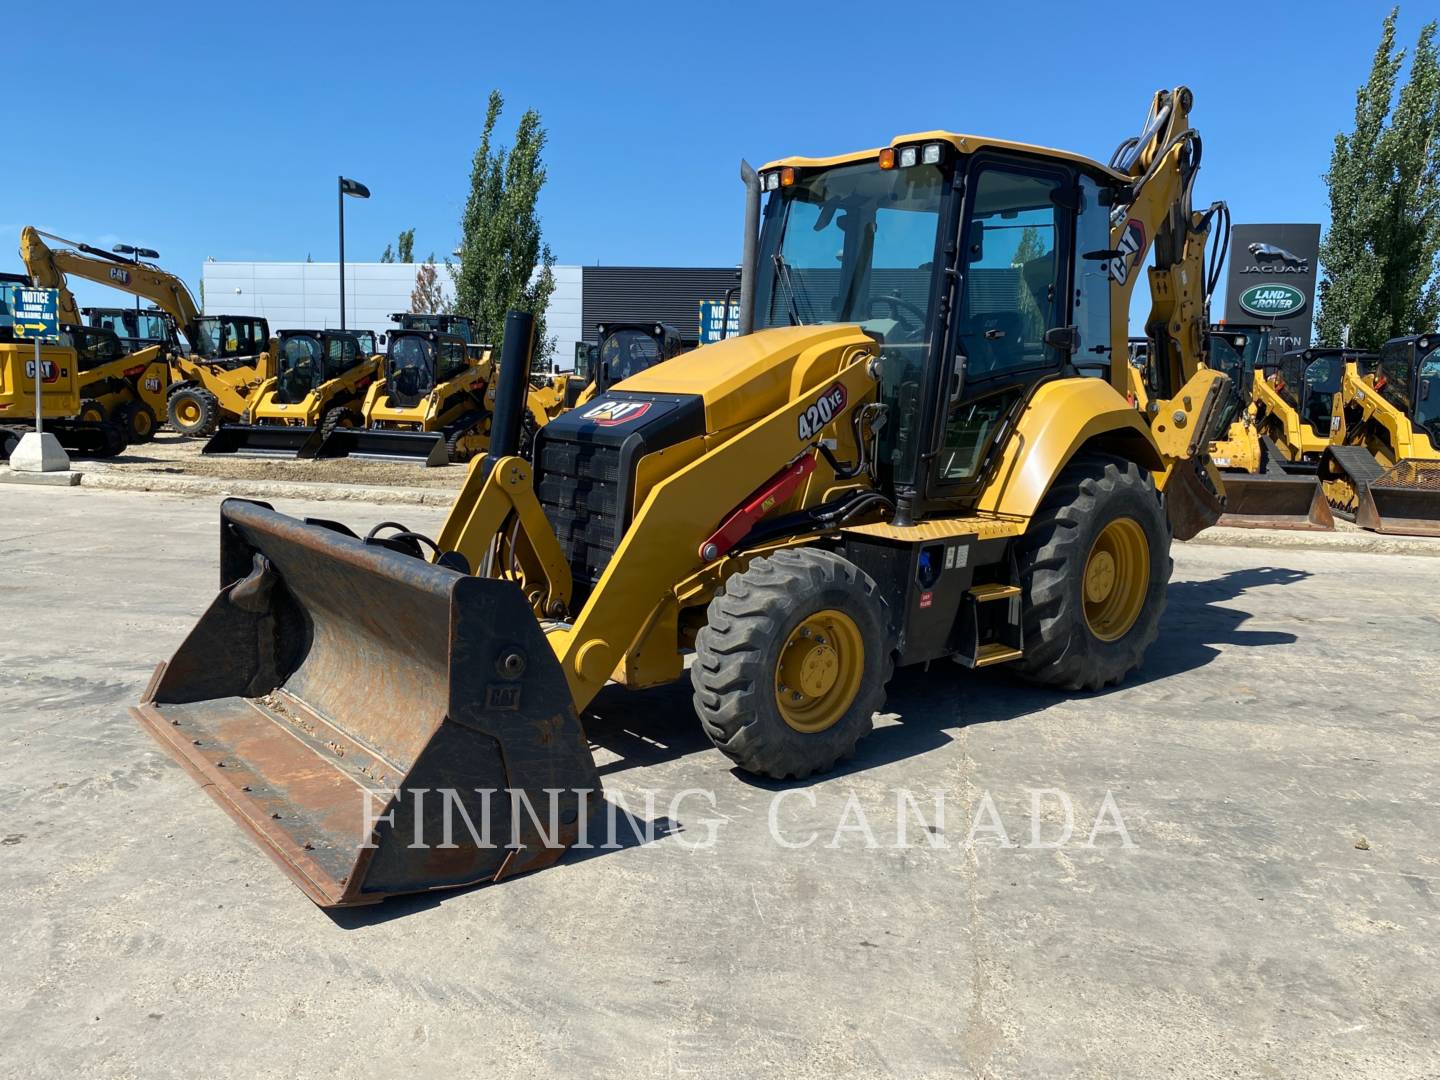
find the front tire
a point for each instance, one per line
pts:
(1094, 567)
(140, 422)
(193, 411)
(792, 663)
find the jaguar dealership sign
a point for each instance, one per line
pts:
(1271, 280)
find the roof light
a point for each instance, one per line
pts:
(787, 177)
(931, 154)
(887, 158)
(909, 157)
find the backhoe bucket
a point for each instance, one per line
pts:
(1404, 499)
(379, 724)
(259, 440)
(1276, 501)
(422, 447)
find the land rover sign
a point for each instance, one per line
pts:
(1272, 280)
(1272, 301)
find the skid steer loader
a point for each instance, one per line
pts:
(1268, 449)
(897, 461)
(321, 378)
(115, 384)
(1383, 461)
(429, 406)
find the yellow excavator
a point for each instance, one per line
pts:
(229, 355)
(918, 449)
(1269, 446)
(1383, 461)
(321, 378)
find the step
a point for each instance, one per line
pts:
(996, 653)
(983, 593)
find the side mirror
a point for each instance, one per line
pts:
(1064, 338)
(380, 341)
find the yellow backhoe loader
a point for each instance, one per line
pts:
(1269, 447)
(320, 381)
(229, 355)
(901, 459)
(1383, 461)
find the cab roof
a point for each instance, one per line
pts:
(965, 144)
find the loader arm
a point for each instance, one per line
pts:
(1155, 212)
(49, 267)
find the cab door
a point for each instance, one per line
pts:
(1016, 245)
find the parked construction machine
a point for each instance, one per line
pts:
(1383, 461)
(117, 384)
(229, 355)
(898, 461)
(429, 406)
(319, 382)
(1268, 447)
(136, 329)
(623, 350)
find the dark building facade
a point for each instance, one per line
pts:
(668, 294)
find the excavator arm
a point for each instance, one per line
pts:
(48, 267)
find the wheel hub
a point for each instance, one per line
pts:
(1116, 579)
(819, 671)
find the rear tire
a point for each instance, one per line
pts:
(9, 439)
(792, 663)
(1094, 567)
(115, 440)
(193, 411)
(92, 412)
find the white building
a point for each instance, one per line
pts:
(306, 296)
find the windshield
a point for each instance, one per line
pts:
(366, 338)
(301, 367)
(410, 364)
(628, 352)
(1322, 383)
(1427, 397)
(219, 335)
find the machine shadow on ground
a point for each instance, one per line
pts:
(652, 727)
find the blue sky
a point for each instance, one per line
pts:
(217, 130)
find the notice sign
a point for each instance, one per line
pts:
(35, 313)
(716, 323)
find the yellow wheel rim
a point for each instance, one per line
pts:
(188, 410)
(819, 672)
(1116, 579)
(141, 423)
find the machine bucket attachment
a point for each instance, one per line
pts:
(1404, 499)
(1276, 501)
(259, 440)
(422, 447)
(379, 724)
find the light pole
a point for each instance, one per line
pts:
(136, 254)
(356, 190)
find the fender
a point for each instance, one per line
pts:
(1061, 417)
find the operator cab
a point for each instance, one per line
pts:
(234, 339)
(369, 343)
(136, 329)
(1408, 376)
(626, 349)
(982, 270)
(94, 346)
(417, 361)
(308, 358)
(461, 326)
(1310, 378)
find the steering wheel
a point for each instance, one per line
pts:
(897, 304)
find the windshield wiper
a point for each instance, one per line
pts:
(782, 272)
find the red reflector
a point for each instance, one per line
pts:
(130, 373)
(741, 520)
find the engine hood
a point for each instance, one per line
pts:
(744, 378)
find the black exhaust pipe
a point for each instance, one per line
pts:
(750, 252)
(508, 421)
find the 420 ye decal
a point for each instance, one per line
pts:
(813, 419)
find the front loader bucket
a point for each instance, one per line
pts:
(422, 447)
(379, 724)
(259, 440)
(1404, 499)
(1276, 501)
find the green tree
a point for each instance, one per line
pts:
(504, 263)
(1380, 257)
(405, 246)
(388, 255)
